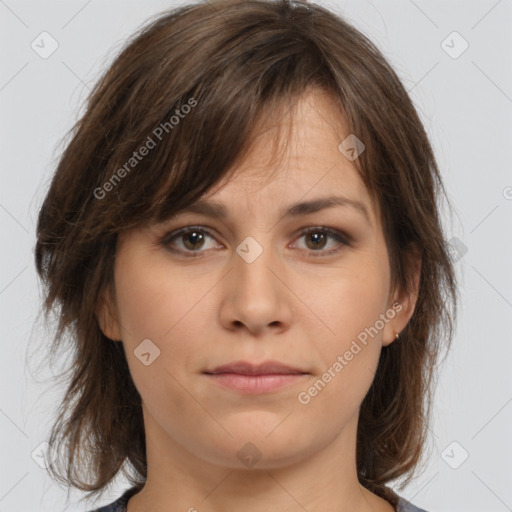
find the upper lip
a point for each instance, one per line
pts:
(265, 368)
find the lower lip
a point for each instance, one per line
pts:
(256, 384)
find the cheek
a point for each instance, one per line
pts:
(351, 306)
(151, 299)
(351, 298)
(350, 353)
(163, 306)
(141, 295)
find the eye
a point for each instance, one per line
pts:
(192, 241)
(317, 238)
(189, 240)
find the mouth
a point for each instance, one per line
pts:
(250, 378)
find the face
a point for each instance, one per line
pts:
(309, 290)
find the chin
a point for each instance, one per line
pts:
(269, 446)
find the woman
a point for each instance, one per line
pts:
(243, 240)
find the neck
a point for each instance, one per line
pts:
(323, 481)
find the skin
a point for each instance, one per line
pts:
(288, 305)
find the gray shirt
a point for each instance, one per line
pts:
(120, 504)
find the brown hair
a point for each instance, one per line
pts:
(202, 76)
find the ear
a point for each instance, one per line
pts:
(106, 314)
(403, 302)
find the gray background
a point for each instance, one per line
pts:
(466, 105)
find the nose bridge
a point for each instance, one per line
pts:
(256, 298)
(253, 259)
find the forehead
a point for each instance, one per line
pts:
(295, 157)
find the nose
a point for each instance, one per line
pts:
(255, 295)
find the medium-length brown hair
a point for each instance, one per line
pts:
(191, 87)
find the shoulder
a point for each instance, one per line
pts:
(112, 507)
(406, 506)
(120, 504)
(400, 504)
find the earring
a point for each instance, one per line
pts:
(397, 336)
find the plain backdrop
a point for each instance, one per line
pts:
(462, 86)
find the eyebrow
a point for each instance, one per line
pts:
(219, 211)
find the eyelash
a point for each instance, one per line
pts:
(167, 240)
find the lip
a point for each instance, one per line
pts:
(251, 378)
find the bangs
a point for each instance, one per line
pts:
(174, 139)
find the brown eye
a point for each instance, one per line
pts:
(316, 239)
(189, 241)
(193, 240)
